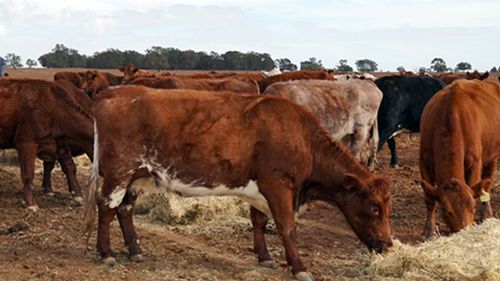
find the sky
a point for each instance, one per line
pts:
(408, 33)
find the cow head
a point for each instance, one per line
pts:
(367, 206)
(476, 75)
(457, 200)
(90, 82)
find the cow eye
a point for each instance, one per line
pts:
(374, 210)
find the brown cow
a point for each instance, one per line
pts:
(347, 110)
(95, 81)
(294, 75)
(267, 150)
(65, 152)
(459, 147)
(235, 85)
(40, 118)
(448, 78)
(74, 77)
(131, 72)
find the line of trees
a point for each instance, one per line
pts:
(158, 58)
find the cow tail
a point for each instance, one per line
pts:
(92, 188)
(374, 139)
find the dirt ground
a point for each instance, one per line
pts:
(50, 244)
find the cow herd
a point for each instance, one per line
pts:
(277, 142)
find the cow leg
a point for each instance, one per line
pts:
(484, 208)
(48, 166)
(127, 225)
(69, 168)
(259, 221)
(280, 199)
(27, 154)
(430, 228)
(394, 155)
(106, 215)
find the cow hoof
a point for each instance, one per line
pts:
(78, 199)
(137, 258)
(51, 194)
(268, 264)
(33, 208)
(395, 166)
(304, 276)
(109, 261)
(428, 237)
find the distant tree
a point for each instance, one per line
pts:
(401, 69)
(366, 65)
(156, 58)
(61, 56)
(30, 63)
(188, 59)
(13, 60)
(285, 64)
(423, 70)
(134, 58)
(439, 65)
(111, 58)
(494, 69)
(462, 66)
(343, 66)
(311, 64)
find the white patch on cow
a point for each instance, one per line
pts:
(302, 209)
(399, 132)
(167, 180)
(116, 197)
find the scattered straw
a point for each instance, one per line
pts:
(172, 209)
(471, 254)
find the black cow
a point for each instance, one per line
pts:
(404, 99)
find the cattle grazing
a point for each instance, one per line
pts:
(347, 110)
(448, 78)
(74, 77)
(404, 99)
(294, 75)
(267, 150)
(41, 118)
(94, 81)
(234, 85)
(459, 149)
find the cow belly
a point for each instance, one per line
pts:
(249, 193)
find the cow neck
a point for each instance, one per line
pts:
(332, 162)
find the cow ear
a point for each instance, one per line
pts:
(485, 75)
(430, 190)
(352, 182)
(482, 186)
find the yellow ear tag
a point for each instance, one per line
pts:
(485, 197)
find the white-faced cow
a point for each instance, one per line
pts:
(404, 99)
(347, 110)
(459, 149)
(266, 150)
(41, 118)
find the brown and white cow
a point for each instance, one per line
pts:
(235, 85)
(347, 110)
(267, 150)
(294, 75)
(459, 148)
(40, 118)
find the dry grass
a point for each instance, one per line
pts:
(471, 254)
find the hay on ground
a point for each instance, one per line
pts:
(471, 254)
(173, 209)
